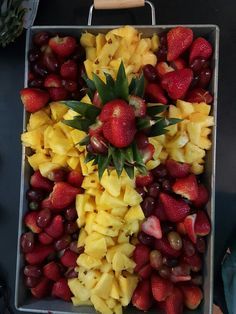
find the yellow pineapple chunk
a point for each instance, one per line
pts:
(88, 262)
(33, 139)
(205, 132)
(107, 220)
(100, 42)
(60, 160)
(151, 164)
(103, 286)
(123, 237)
(155, 42)
(91, 53)
(73, 162)
(91, 278)
(132, 227)
(110, 201)
(149, 58)
(59, 143)
(163, 155)
(202, 108)
(82, 237)
(131, 196)
(78, 290)
(80, 202)
(107, 231)
(97, 248)
(134, 213)
(111, 183)
(38, 119)
(196, 168)
(115, 290)
(100, 305)
(177, 154)
(89, 220)
(174, 112)
(91, 181)
(46, 167)
(127, 287)
(194, 132)
(185, 107)
(78, 302)
(129, 32)
(118, 309)
(111, 303)
(106, 267)
(193, 153)
(124, 248)
(58, 110)
(158, 147)
(88, 64)
(121, 262)
(37, 159)
(108, 51)
(120, 211)
(204, 143)
(179, 141)
(87, 40)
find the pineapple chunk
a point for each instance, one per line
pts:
(185, 107)
(100, 42)
(193, 153)
(194, 132)
(110, 201)
(58, 110)
(128, 32)
(174, 112)
(120, 211)
(111, 303)
(155, 42)
(157, 145)
(80, 202)
(151, 164)
(87, 40)
(179, 141)
(88, 262)
(134, 213)
(91, 278)
(202, 108)
(204, 143)
(60, 160)
(91, 53)
(91, 181)
(115, 290)
(108, 51)
(107, 220)
(132, 227)
(59, 144)
(149, 58)
(196, 168)
(33, 139)
(118, 309)
(127, 287)
(124, 248)
(73, 162)
(89, 220)
(121, 262)
(37, 159)
(131, 196)
(205, 132)
(204, 121)
(123, 237)
(82, 237)
(89, 68)
(97, 248)
(78, 290)
(177, 154)
(100, 305)
(38, 119)
(78, 302)
(46, 167)
(103, 286)
(106, 267)
(110, 232)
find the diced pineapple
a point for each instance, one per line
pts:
(78, 302)
(149, 58)
(196, 168)
(155, 42)
(91, 181)
(121, 262)
(151, 164)
(60, 160)
(124, 248)
(88, 262)
(103, 287)
(110, 232)
(177, 154)
(163, 155)
(46, 167)
(107, 220)
(70, 114)
(205, 132)
(179, 141)
(132, 227)
(97, 248)
(202, 108)
(37, 159)
(115, 290)
(58, 110)
(200, 118)
(120, 211)
(118, 309)
(123, 237)
(88, 64)
(73, 162)
(100, 42)
(33, 139)
(59, 143)
(111, 303)
(88, 40)
(89, 220)
(131, 196)
(108, 51)
(185, 107)
(91, 53)
(157, 145)
(172, 129)
(86, 100)
(106, 267)
(38, 119)
(100, 305)
(194, 132)
(134, 213)
(82, 237)
(127, 287)
(80, 202)
(110, 201)
(204, 143)
(193, 153)
(78, 290)
(174, 112)
(91, 278)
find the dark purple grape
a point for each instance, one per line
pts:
(34, 55)
(141, 140)
(57, 175)
(148, 206)
(31, 282)
(197, 280)
(99, 144)
(194, 82)
(150, 73)
(44, 218)
(145, 239)
(27, 242)
(32, 271)
(164, 272)
(166, 185)
(36, 83)
(154, 190)
(71, 273)
(188, 247)
(90, 149)
(70, 214)
(41, 38)
(167, 227)
(50, 61)
(201, 245)
(35, 195)
(40, 70)
(170, 262)
(77, 95)
(160, 171)
(198, 64)
(204, 77)
(181, 270)
(156, 259)
(79, 54)
(75, 248)
(63, 242)
(33, 205)
(141, 191)
(162, 50)
(71, 227)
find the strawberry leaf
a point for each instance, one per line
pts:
(85, 110)
(137, 86)
(103, 163)
(128, 154)
(154, 109)
(143, 123)
(78, 123)
(89, 157)
(160, 126)
(130, 171)
(137, 155)
(84, 141)
(121, 84)
(132, 85)
(118, 159)
(106, 92)
(89, 82)
(109, 79)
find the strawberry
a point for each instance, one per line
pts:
(58, 93)
(139, 105)
(141, 256)
(178, 41)
(52, 271)
(44, 238)
(68, 259)
(145, 271)
(163, 68)
(34, 99)
(194, 261)
(176, 83)
(144, 179)
(42, 289)
(189, 224)
(174, 302)
(46, 203)
(63, 195)
(152, 227)
(181, 228)
(175, 209)
(117, 108)
(180, 278)
(39, 254)
(96, 128)
(186, 187)
(75, 178)
(201, 48)
(202, 224)
(159, 212)
(147, 152)
(161, 288)
(56, 228)
(198, 95)
(164, 247)
(30, 221)
(61, 290)
(69, 70)
(155, 93)
(192, 296)
(120, 133)
(177, 169)
(142, 296)
(202, 197)
(37, 181)
(178, 64)
(63, 46)
(52, 80)
(70, 86)
(97, 100)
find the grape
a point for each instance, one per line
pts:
(141, 140)
(50, 61)
(150, 73)
(71, 227)
(99, 144)
(70, 214)
(34, 55)
(148, 206)
(27, 242)
(201, 245)
(32, 271)
(162, 50)
(36, 83)
(156, 259)
(145, 239)
(90, 149)
(63, 242)
(70, 86)
(175, 240)
(33, 205)
(164, 272)
(57, 175)
(170, 262)
(75, 248)
(198, 64)
(40, 70)
(141, 191)
(44, 218)
(167, 227)
(31, 282)
(188, 247)
(160, 171)
(181, 270)
(204, 77)
(154, 190)
(35, 195)
(197, 280)
(166, 185)
(41, 38)
(71, 273)
(79, 54)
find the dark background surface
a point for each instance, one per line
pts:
(74, 12)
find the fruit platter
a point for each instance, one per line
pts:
(117, 191)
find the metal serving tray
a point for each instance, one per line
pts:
(25, 302)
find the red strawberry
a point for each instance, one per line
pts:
(52, 80)
(176, 83)
(97, 100)
(144, 179)
(63, 195)
(202, 197)
(199, 95)
(56, 228)
(69, 70)
(189, 224)
(181, 228)
(186, 187)
(174, 302)
(139, 105)
(141, 256)
(117, 108)
(177, 169)
(201, 48)
(152, 227)
(178, 64)
(63, 46)
(147, 152)
(70, 86)
(44, 238)
(194, 261)
(161, 288)
(34, 99)
(69, 258)
(142, 296)
(30, 221)
(202, 224)
(159, 212)
(75, 178)
(180, 278)
(163, 245)
(176, 210)
(178, 41)
(163, 68)
(145, 271)
(42, 289)
(58, 93)
(52, 271)
(61, 290)
(96, 128)
(192, 296)
(39, 254)
(155, 93)
(37, 181)
(46, 203)
(119, 132)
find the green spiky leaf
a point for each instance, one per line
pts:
(130, 171)
(137, 86)
(128, 154)
(78, 123)
(106, 92)
(86, 110)
(85, 141)
(143, 123)
(109, 79)
(118, 159)
(89, 83)
(89, 157)
(121, 84)
(159, 127)
(154, 109)
(103, 163)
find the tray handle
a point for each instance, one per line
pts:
(122, 4)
